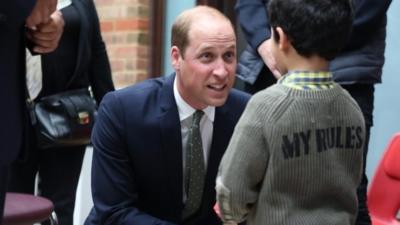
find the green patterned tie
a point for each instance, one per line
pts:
(195, 168)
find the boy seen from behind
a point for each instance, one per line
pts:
(296, 153)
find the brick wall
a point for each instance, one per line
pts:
(125, 28)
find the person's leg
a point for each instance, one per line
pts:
(23, 173)
(364, 96)
(3, 188)
(363, 217)
(58, 179)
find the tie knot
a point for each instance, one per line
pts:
(197, 117)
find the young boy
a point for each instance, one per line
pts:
(296, 154)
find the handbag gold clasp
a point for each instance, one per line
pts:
(83, 118)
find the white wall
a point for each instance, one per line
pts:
(84, 201)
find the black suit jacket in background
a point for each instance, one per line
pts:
(12, 76)
(12, 84)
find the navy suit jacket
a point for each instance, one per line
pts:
(137, 159)
(12, 76)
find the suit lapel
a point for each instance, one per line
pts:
(171, 144)
(223, 126)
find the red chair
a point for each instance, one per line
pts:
(384, 190)
(25, 209)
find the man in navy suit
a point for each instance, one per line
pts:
(14, 15)
(141, 132)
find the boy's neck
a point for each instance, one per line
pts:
(312, 63)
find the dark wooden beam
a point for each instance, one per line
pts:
(225, 6)
(156, 38)
(213, 3)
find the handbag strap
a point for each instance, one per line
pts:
(81, 42)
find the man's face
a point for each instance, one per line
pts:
(206, 70)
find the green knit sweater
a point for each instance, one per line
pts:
(295, 158)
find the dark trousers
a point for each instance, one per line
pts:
(58, 170)
(364, 96)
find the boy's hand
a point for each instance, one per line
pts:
(47, 35)
(216, 210)
(265, 52)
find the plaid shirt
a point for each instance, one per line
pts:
(307, 80)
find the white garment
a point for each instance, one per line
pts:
(206, 128)
(63, 3)
(34, 64)
(33, 74)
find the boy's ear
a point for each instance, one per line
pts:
(284, 42)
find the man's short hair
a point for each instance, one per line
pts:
(181, 27)
(313, 27)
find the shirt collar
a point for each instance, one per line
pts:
(307, 80)
(185, 110)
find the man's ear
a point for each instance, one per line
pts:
(283, 42)
(175, 57)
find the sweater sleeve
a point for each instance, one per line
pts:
(243, 166)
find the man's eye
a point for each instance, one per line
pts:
(206, 56)
(229, 56)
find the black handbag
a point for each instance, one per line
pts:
(64, 119)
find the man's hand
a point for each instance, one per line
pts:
(265, 52)
(47, 35)
(41, 13)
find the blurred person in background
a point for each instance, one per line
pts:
(14, 15)
(80, 61)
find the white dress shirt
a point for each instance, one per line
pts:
(206, 128)
(34, 72)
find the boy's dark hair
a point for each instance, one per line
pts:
(313, 27)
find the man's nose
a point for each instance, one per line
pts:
(221, 69)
